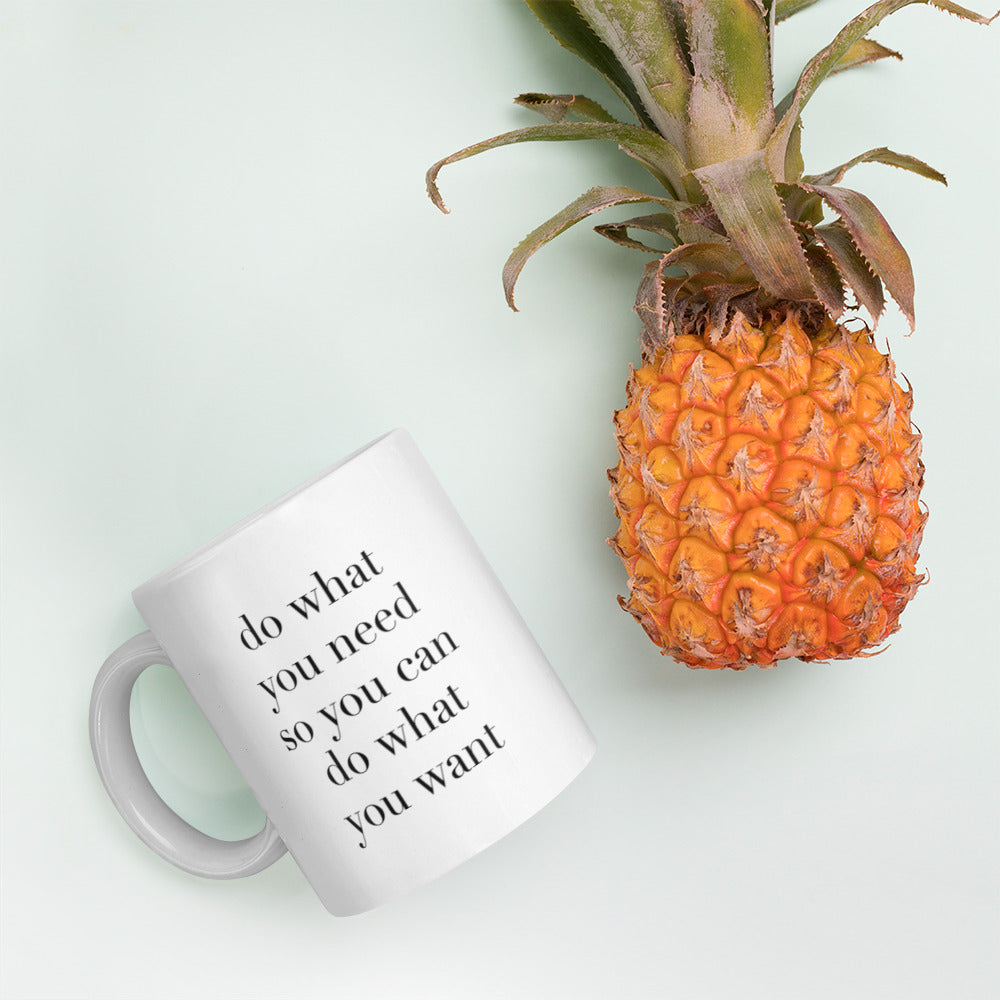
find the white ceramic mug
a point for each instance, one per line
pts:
(367, 673)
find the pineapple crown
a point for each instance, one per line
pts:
(745, 222)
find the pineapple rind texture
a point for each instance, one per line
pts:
(769, 479)
(768, 491)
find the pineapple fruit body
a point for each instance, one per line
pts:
(768, 485)
(768, 493)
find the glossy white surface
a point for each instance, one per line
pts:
(151, 819)
(356, 724)
(221, 273)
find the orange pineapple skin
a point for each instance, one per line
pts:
(768, 492)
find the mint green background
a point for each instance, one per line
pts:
(221, 273)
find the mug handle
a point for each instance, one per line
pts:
(153, 821)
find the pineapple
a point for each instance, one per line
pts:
(769, 474)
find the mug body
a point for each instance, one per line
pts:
(369, 676)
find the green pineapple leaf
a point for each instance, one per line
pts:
(730, 109)
(660, 224)
(744, 197)
(700, 224)
(569, 27)
(697, 258)
(794, 164)
(651, 304)
(786, 8)
(877, 243)
(853, 268)
(880, 155)
(826, 62)
(826, 278)
(652, 151)
(861, 53)
(594, 200)
(801, 206)
(560, 107)
(657, 295)
(716, 277)
(643, 38)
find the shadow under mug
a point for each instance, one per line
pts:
(372, 681)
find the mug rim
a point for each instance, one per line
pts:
(204, 551)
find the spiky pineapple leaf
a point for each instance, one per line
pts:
(853, 268)
(715, 276)
(594, 200)
(744, 198)
(700, 224)
(643, 37)
(673, 10)
(770, 11)
(787, 8)
(877, 243)
(826, 278)
(861, 53)
(559, 107)
(695, 258)
(702, 215)
(569, 27)
(881, 155)
(653, 152)
(651, 305)
(794, 163)
(801, 206)
(730, 109)
(660, 224)
(827, 60)
(721, 296)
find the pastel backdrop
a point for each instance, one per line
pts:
(221, 273)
